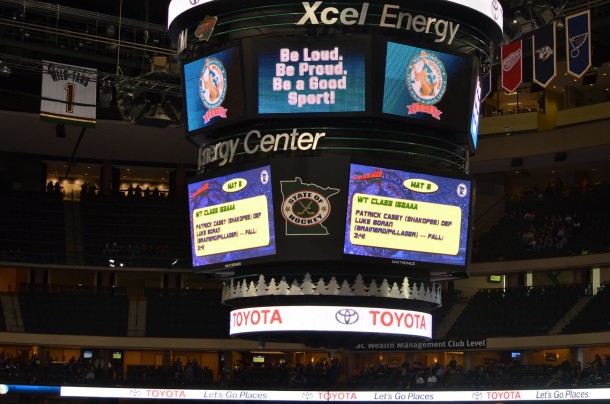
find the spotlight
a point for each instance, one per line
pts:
(5, 71)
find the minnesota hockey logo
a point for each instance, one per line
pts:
(305, 207)
(213, 88)
(426, 82)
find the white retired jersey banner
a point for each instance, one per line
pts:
(68, 94)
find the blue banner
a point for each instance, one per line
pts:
(486, 87)
(545, 56)
(578, 43)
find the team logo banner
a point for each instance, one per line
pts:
(512, 65)
(68, 94)
(485, 81)
(545, 56)
(578, 43)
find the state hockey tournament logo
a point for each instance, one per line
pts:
(305, 207)
(426, 82)
(213, 88)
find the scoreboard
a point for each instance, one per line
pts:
(334, 141)
(370, 78)
(331, 210)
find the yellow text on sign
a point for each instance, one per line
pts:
(231, 226)
(401, 224)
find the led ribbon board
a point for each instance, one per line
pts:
(468, 396)
(487, 12)
(331, 319)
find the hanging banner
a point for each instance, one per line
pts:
(578, 43)
(545, 56)
(69, 94)
(512, 65)
(486, 87)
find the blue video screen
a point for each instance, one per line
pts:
(213, 90)
(296, 77)
(231, 218)
(428, 86)
(407, 217)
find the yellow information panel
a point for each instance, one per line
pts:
(401, 224)
(231, 226)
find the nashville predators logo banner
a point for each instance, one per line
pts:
(68, 94)
(512, 65)
(578, 43)
(544, 57)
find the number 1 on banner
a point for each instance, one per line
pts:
(70, 97)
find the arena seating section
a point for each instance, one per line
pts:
(35, 232)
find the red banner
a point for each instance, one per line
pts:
(512, 65)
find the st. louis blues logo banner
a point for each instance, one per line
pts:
(544, 57)
(512, 65)
(578, 43)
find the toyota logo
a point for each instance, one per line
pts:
(194, 2)
(347, 316)
(308, 395)
(495, 9)
(477, 395)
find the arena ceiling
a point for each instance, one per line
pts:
(89, 31)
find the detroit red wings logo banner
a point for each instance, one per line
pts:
(578, 43)
(511, 56)
(544, 58)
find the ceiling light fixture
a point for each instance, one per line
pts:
(5, 71)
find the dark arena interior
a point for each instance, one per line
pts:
(280, 201)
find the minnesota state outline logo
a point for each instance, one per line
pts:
(305, 207)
